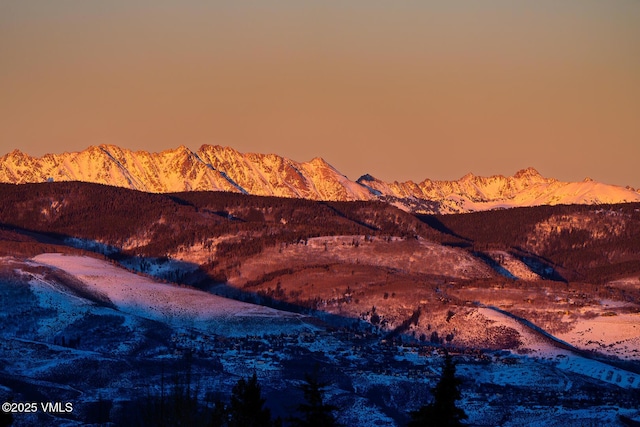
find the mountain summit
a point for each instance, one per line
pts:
(217, 168)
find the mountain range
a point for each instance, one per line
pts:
(217, 168)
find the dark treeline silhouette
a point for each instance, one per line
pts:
(177, 403)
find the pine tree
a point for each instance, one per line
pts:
(442, 412)
(246, 408)
(314, 413)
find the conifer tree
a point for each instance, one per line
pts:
(314, 413)
(442, 412)
(246, 408)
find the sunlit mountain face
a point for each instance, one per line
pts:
(216, 168)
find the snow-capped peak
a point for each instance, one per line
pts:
(219, 168)
(527, 173)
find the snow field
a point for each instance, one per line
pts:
(617, 335)
(564, 359)
(183, 307)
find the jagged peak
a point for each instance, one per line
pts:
(209, 147)
(367, 178)
(206, 147)
(181, 152)
(318, 161)
(527, 173)
(110, 147)
(16, 153)
(95, 150)
(181, 149)
(270, 174)
(217, 149)
(112, 151)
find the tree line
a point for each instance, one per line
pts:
(179, 404)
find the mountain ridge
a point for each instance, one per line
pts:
(218, 168)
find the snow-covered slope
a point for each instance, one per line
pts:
(171, 304)
(210, 168)
(526, 188)
(217, 168)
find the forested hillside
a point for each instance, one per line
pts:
(577, 242)
(587, 243)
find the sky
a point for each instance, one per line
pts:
(397, 89)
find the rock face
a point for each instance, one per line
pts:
(216, 168)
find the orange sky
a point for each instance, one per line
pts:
(401, 90)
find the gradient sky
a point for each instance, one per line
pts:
(398, 89)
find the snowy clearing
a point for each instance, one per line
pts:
(144, 297)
